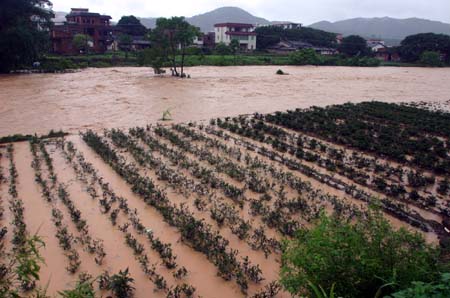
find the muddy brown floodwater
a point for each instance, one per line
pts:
(125, 97)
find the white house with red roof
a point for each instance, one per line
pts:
(244, 33)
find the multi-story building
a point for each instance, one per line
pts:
(244, 33)
(81, 21)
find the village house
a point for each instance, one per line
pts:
(198, 41)
(81, 21)
(244, 33)
(289, 46)
(204, 40)
(387, 54)
(382, 52)
(138, 43)
(376, 44)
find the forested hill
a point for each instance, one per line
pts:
(207, 20)
(385, 28)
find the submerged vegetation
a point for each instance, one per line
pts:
(19, 269)
(318, 192)
(402, 133)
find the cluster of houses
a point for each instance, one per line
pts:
(382, 51)
(104, 37)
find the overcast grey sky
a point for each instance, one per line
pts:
(304, 11)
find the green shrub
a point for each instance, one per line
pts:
(82, 65)
(58, 64)
(370, 62)
(330, 60)
(100, 64)
(121, 284)
(440, 289)
(222, 49)
(193, 51)
(306, 57)
(432, 59)
(357, 258)
(358, 62)
(280, 72)
(21, 272)
(219, 61)
(22, 138)
(81, 290)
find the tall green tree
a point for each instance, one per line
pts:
(234, 48)
(356, 259)
(175, 35)
(186, 35)
(354, 45)
(412, 47)
(125, 43)
(130, 25)
(82, 42)
(24, 32)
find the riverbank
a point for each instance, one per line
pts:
(55, 64)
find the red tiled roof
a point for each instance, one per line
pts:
(234, 25)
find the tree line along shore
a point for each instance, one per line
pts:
(25, 46)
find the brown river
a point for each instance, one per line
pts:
(125, 97)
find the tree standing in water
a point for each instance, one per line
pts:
(174, 36)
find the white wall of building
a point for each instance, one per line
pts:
(222, 37)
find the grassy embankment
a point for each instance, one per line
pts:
(62, 63)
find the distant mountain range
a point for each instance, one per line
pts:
(390, 29)
(385, 28)
(207, 20)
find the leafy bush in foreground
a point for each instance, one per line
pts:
(358, 259)
(22, 272)
(439, 289)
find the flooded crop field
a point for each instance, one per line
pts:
(200, 208)
(126, 97)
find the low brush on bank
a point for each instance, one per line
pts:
(23, 138)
